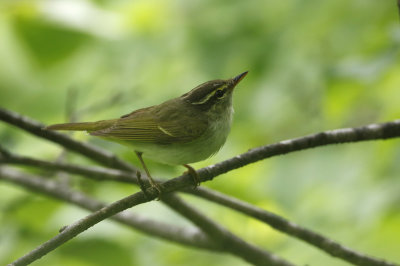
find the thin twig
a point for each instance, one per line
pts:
(92, 172)
(96, 154)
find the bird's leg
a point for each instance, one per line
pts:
(152, 182)
(193, 174)
(141, 184)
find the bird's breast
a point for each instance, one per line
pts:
(199, 149)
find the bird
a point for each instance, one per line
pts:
(179, 131)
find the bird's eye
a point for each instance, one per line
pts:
(220, 93)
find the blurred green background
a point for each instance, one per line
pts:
(313, 65)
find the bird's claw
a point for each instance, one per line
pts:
(193, 174)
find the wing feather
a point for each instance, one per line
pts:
(144, 126)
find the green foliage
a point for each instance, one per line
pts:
(313, 66)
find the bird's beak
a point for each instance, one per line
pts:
(238, 78)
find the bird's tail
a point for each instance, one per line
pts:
(84, 126)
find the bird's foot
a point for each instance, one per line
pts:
(144, 187)
(193, 174)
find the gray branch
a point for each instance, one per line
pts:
(224, 240)
(185, 236)
(381, 131)
(92, 172)
(111, 160)
(370, 132)
(281, 224)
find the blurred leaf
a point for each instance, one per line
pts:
(47, 42)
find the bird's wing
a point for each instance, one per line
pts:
(143, 126)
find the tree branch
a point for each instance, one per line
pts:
(92, 172)
(370, 132)
(107, 159)
(281, 224)
(220, 235)
(185, 236)
(229, 241)
(338, 136)
(319, 241)
(94, 153)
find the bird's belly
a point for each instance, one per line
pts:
(184, 153)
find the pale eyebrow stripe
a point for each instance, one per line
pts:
(205, 99)
(208, 96)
